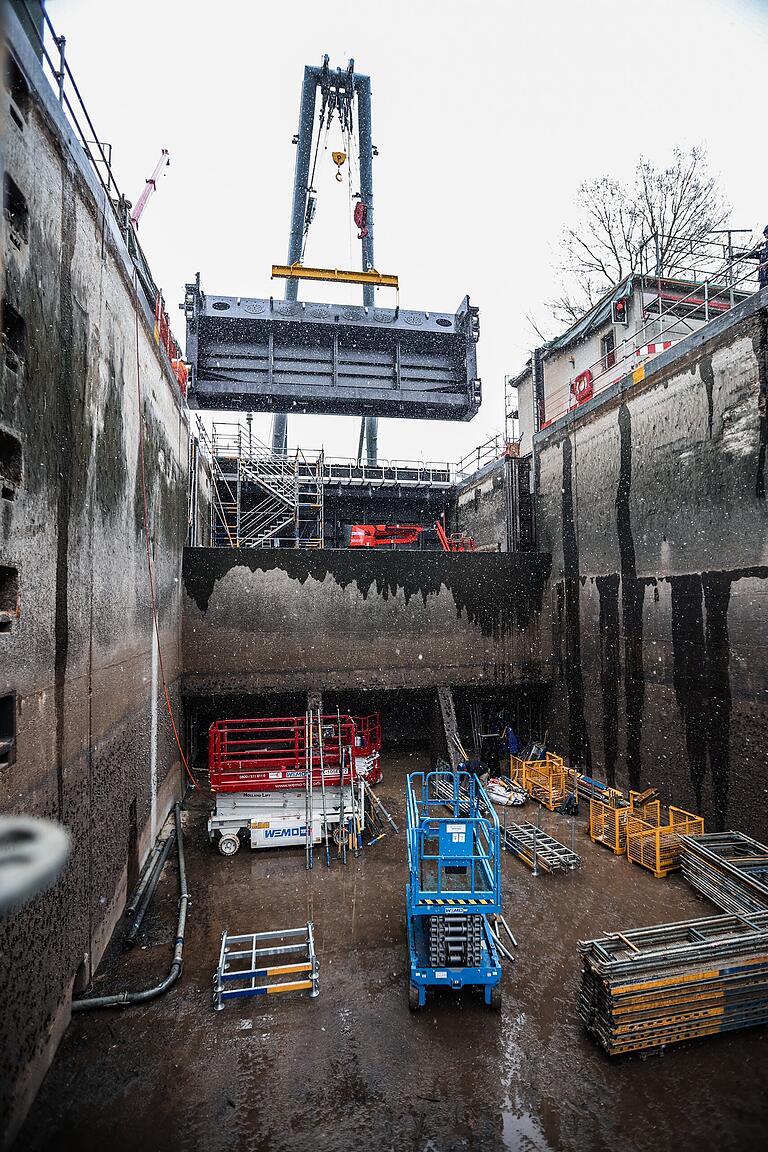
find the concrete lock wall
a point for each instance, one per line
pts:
(652, 503)
(93, 744)
(482, 507)
(256, 621)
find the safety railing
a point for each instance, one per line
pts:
(388, 473)
(658, 848)
(452, 859)
(368, 734)
(233, 441)
(55, 64)
(494, 448)
(705, 299)
(270, 753)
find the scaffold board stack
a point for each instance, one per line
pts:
(649, 987)
(586, 787)
(242, 972)
(729, 868)
(538, 850)
(450, 790)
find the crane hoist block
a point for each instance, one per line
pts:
(339, 359)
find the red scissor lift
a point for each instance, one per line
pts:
(260, 769)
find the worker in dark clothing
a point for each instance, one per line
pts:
(475, 767)
(762, 255)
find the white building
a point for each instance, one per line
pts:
(640, 317)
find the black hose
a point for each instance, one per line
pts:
(123, 999)
(149, 890)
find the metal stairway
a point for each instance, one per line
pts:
(263, 499)
(274, 515)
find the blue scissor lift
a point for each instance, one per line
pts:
(454, 886)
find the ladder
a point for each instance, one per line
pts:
(536, 849)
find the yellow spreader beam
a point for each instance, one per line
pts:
(300, 272)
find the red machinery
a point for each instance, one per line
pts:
(456, 542)
(383, 535)
(269, 754)
(390, 535)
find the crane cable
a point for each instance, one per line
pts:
(152, 594)
(312, 176)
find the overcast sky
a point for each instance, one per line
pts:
(487, 117)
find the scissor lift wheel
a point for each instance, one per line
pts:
(495, 1004)
(413, 998)
(229, 842)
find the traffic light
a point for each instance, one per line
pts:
(620, 311)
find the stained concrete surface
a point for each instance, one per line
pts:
(355, 1068)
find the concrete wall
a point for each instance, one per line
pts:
(481, 507)
(652, 504)
(93, 746)
(259, 621)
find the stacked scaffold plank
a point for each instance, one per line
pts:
(538, 850)
(648, 987)
(450, 793)
(729, 868)
(585, 787)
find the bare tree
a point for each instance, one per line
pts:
(653, 223)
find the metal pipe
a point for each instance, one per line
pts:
(298, 214)
(123, 999)
(322, 787)
(149, 890)
(366, 194)
(149, 866)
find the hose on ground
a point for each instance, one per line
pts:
(124, 999)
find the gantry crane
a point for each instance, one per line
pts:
(285, 355)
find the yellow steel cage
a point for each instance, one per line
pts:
(657, 848)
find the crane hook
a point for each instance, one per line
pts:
(338, 159)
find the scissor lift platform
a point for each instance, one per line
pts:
(454, 885)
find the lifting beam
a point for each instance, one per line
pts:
(334, 275)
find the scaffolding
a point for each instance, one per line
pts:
(262, 499)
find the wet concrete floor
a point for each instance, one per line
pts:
(354, 1068)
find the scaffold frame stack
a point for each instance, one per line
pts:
(728, 868)
(239, 966)
(261, 498)
(648, 987)
(537, 849)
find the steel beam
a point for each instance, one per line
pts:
(298, 212)
(365, 146)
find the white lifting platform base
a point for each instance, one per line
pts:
(276, 819)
